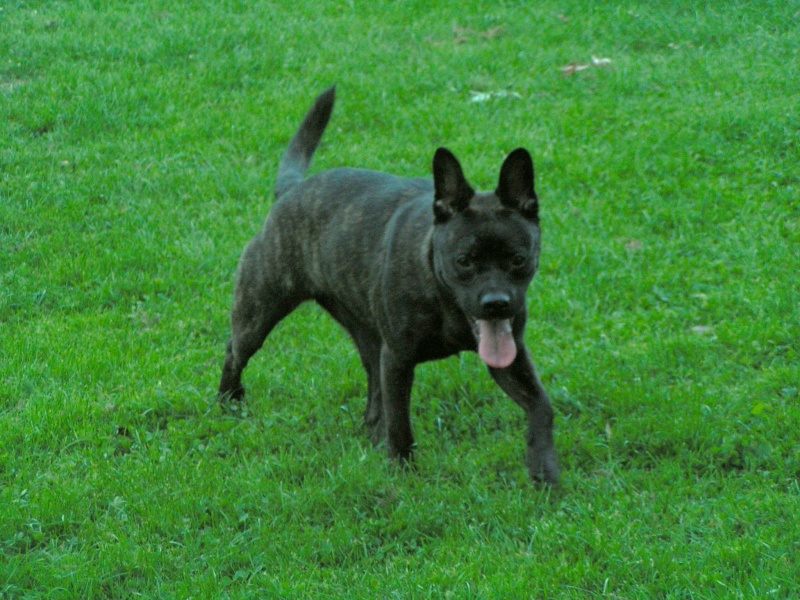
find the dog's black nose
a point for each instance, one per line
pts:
(495, 303)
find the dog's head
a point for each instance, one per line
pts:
(486, 249)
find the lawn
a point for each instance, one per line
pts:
(139, 143)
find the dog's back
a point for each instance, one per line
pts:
(325, 234)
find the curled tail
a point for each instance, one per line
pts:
(297, 157)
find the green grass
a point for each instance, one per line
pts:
(138, 149)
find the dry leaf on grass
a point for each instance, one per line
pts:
(574, 67)
(702, 330)
(12, 84)
(486, 96)
(492, 33)
(462, 35)
(634, 245)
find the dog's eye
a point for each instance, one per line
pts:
(519, 260)
(465, 262)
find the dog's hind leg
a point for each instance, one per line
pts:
(369, 349)
(251, 322)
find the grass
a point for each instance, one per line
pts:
(140, 142)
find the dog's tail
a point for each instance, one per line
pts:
(297, 157)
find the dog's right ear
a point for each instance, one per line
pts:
(452, 192)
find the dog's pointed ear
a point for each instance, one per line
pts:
(515, 188)
(452, 192)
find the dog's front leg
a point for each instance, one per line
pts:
(397, 377)
(519, 380)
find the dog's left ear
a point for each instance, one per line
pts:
(515, 188)
(452, 191)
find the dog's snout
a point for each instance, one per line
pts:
(495, 302)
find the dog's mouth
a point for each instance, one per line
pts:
(496, 345)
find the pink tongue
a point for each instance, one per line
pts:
(496, 346)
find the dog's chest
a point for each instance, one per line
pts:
(439, 336)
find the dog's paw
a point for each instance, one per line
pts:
(232, 403)
(543, 466)
(404, 464)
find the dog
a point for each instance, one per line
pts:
(415, 270)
